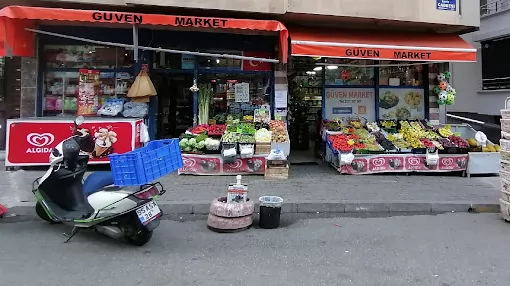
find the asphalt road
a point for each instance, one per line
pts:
(444, 250)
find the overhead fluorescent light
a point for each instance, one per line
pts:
(317, 68)
(332, 67)
(310, 73)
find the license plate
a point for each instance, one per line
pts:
(148, 212)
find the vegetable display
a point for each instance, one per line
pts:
(204, 102)
(263, 136)
(216, 129)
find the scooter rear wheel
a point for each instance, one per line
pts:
(39, 210)
(140, 238)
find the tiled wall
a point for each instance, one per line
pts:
(28, 87)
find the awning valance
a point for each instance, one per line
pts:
(25, 17)
(381, 45)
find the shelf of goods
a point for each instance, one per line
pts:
(238, 147)
(379, 148)
(30, 140)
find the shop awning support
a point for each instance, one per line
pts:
(135, 43)
(227, 56)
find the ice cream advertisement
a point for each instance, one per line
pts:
(401, 104)
(105, 140)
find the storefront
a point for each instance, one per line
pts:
(106, 50)
(377, 79)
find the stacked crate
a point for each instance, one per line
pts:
(504, 172)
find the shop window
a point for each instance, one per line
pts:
(401, 92)
(400, 74)
(224, 99)
(61, 90)
(78, 56)
(495, 60)
(221, 63)
(349, 72)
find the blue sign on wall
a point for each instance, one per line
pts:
(342, 110)
(447, 5)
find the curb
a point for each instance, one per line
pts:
(304, 207)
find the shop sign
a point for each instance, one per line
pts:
(116, 17)
(350, 102)
(448, 5)
(187, 62)
(200, 22)
(30, 143)
(371, 164)
(387, 54)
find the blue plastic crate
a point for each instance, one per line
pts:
(144, 165)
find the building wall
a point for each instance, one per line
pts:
(467, 77)
(419, 11)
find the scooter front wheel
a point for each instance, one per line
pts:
(141, 237)
(39, 210)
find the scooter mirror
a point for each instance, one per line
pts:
(79, 120)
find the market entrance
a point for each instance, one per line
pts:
(175, 103)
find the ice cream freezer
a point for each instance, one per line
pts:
(30, 140)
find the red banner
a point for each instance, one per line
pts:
(214, 165)
(251, 65)
(370, 164)
(30, 142)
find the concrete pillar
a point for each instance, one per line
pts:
(28, 103)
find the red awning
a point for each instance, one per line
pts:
(381, 45)
(26, 17)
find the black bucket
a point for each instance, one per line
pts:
(269, 217)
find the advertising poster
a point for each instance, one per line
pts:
(30, 143)
(88, 91)
(350, 102)
(401, 104)
(447, 5)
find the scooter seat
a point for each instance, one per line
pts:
(96, 181)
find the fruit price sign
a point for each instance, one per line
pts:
(370, 164)
(195, 164)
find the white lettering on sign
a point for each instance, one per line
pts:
(38, 150)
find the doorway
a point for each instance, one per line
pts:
(175, 103)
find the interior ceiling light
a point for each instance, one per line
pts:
(332, 67)
(317, 68)
(310, 72)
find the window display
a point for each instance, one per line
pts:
(345, 72)
(255, 87)
(400, 74)
(78, 56)
(401, 103)
(62, 89)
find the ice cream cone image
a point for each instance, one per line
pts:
(104, 140)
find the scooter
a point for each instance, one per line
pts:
(95, 203)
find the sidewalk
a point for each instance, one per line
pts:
(309, 189)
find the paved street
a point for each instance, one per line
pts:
(444, 250)
(306, 183)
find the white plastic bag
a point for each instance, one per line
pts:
(346, 159)
(481, 138)
(144, 133)
(135, 109)
(276, 155)
(112, 107)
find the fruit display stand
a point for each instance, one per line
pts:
(203, 148)
(415, 159)
(479, 162)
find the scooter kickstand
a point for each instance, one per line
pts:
(70, 235)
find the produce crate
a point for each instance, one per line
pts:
(505, 125)
(505, 165)
(262, 148)
(448, 150)
(505, 155)
(146, 164)
(504, 144)
(278, 173)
